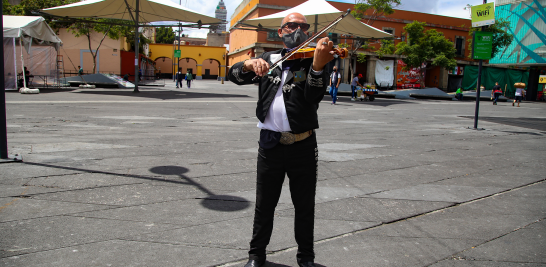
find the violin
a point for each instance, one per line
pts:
(309, 52)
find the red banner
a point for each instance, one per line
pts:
(408, 79)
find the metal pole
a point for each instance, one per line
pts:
(478, 94)
(137, 37)
(178, 60)
(478, 87)
(179, 32)
(316, 26)
(3, 121)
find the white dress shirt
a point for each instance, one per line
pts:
(276, 119)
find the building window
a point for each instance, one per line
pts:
(459, 46)
(273, 36)
(389, 30)
(333, 37)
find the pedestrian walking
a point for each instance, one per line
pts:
(520, 92)
(496, 92)
(335, 79)
(80, 70)
(189, 78)
(288, 101)
(354, 83)
(179, 78)
(459, 94)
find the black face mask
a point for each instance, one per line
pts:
(294, 39)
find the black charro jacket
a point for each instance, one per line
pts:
(302, 91)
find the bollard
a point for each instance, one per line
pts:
(222, 80)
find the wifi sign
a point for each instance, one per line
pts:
(483, 15)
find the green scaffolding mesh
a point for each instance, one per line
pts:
(490, 75)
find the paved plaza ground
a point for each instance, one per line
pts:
(166, 177)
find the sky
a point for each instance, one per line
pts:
(452, 8)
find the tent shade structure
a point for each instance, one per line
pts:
(319, 14)
(149, 11)
(29, 41)
(138, 11)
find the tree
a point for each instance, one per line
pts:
(426, 46)
(164, 35)
(387, 48)
(26, 7)
(501, 38)
(380, 8)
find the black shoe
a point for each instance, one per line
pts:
(306, 264)
(255, 263)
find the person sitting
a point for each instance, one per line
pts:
(26, 76)
(459, 94)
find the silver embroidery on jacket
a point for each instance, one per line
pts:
(288, 87)
(314, 82)
(274, 80)
(235, 74)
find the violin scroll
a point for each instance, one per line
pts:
(340, 52)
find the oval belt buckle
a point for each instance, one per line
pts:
(287, 138)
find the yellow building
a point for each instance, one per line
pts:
(205, 62)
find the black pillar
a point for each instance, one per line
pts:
(3, 122)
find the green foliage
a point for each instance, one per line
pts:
(380, 8)
(142, 42)
(501, 38)
(387, 48)
(26, 7)
(360, 57)
(164, 35)
(105, 26)
(343, 45)
(424, 46)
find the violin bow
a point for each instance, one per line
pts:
(293, 51)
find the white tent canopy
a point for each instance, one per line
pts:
(321, 13)
(29, 26)
(150, 11)
(39, 54)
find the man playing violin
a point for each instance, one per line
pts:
(289, 96)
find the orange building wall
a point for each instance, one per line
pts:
(109, 59)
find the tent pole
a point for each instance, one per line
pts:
(316, 26)
(14, 60)
(23, 63)
(137, 78)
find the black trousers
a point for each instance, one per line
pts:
(299, 162)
